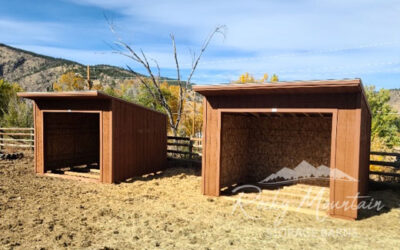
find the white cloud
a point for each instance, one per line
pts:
(297, 39)
(268, 25)
(13, 31)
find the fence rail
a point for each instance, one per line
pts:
(17, 138)
(184, 148)
(393, 165)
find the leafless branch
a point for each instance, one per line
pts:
(158, 70)
(218, 30)
(152, 84)
(181, 96)
(195, 62)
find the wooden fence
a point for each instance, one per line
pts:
(16, 138)
(393, 163)
(184, 148)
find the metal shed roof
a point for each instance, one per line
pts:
(66, 94)
(295, 87)
(77, 95)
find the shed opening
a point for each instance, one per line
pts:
(72, 144)
(274, 150)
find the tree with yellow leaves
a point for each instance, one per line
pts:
(193, 114)
(265, 78)
(136, 92)
(70, 81)
(245, 78)
(248, 78)
(274, 78)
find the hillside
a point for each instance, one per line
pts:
(36, 72)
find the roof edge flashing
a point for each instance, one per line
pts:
(347, 85)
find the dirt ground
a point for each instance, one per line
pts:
(167, 211)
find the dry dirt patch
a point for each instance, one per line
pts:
(166, 211)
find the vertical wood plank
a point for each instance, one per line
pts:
(333, 160)
(101, 146)
(347, 159)
(211, 170)
(39, 144)
(107, 146)
(140, 141)
(204, 152)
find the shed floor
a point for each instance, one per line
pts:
(90, 173)
(302, 198)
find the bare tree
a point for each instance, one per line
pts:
(152, 83)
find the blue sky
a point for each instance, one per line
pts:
(298, 40)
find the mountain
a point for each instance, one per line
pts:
(36, 72)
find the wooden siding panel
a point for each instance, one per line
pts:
(204, 141)
(139, 140)
(347, 160)
(106, 147)
(364, 148)
(39, 148)
(73, 105)
(328, 101)
(211, 171)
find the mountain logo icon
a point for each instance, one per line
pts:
(305, 171)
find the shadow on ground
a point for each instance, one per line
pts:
(175, 168)
(384, 194)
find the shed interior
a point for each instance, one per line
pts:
(72, 143)
(256, 145)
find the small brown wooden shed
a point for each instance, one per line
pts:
(252, 130)
(77, 128)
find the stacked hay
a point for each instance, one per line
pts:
(278, 142)
(254, 148)
(234, 154)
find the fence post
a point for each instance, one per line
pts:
(191, 152)
(190, 149)
(32, 138)
(1, 139)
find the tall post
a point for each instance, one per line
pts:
(191, 153)
(33, 139)
(1, 139)
(89, 83)
(194, 115)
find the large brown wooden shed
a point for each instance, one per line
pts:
(251, 131)
(77, 128)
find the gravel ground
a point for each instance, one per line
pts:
(167, 211)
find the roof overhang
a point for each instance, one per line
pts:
(65, 95)
(77, 95)
(298, 87)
